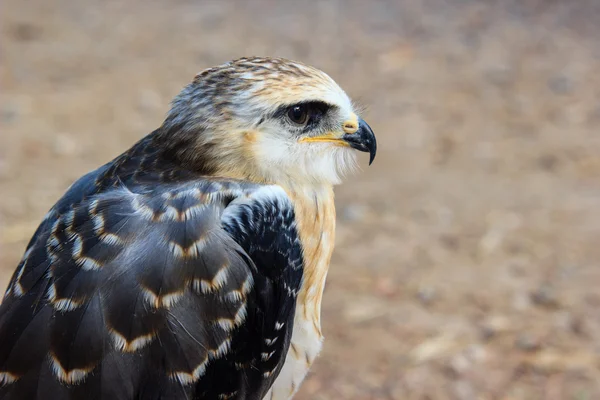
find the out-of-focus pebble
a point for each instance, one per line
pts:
(353, 212)
(545, 296)
(433, 348)
(501, 76)
(426, 295)
(527, 342)
(495, 325)
(459, 364)
(560, 84)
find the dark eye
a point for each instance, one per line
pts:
(298, 114)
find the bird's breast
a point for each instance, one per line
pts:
(315, 217)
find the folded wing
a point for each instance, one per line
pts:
(184, 292)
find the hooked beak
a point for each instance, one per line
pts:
(362, 140)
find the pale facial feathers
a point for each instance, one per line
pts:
(231, 121)
(287, 160)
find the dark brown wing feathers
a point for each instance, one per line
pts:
(143, 283)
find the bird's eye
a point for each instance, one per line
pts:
(298, 114)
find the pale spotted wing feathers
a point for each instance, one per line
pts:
(187, 291)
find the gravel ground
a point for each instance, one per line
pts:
(467, 258)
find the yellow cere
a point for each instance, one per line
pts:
(351, 125)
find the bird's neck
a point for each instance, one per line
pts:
(315, 215)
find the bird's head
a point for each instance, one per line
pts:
(267, 120)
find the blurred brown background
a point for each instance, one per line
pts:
(467, 263)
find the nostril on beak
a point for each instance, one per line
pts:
(350, 127)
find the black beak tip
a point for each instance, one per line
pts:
(371, 157)
(370, 140)
(372, 149)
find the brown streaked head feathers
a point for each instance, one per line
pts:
(230, 121)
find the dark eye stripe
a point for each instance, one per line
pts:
(319, 108)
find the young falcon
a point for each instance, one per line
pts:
(192, 266)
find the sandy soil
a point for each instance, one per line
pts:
(467, 256)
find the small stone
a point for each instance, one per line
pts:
(560, 84)
(450, 242)
(354, 212)
(566, 321)
(426, 295)
(476, 353)
(14, 108)
(26, 32)
(491, 241)
(580, 327)
(500, 76)
(548, 162)
(552, 361)
(527, 342)
(433, 348)
(9, 113)
(545, 296)
(567, 271)
(495, 325)
(459, 364)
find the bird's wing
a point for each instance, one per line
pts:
(184, 292)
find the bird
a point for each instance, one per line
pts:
(192, 265)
